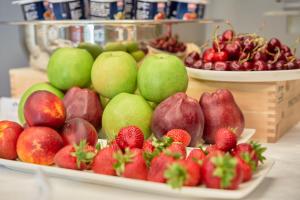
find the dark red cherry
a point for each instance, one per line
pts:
(198, 64)
(298, 63)
(248, 66)
(189, 61)
(221, 66)
(271, 66)
(285, 48)
(220, 56)
(208, 55)
(244, 56)
(260, 56)
(234, 66)
(260, 65)
(228, 35)
(248, 45)
(233, 51)
(292, 65)
(280, 65)
(208, 66)
(273, 45)
(195, 55)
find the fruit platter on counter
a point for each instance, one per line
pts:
(157, 138)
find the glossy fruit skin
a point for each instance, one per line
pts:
(76, 130)
(235, 66)
(233, 51)
(220, 56)
(211, 148)
(83, 103)
(208, 55)
(225, 139)
(43, 108)
(246, 170)
(208, 66)
(221, 66)
(220, 110)
(228, 35)
(158, 166)
(292, 65)
(260, 65)
(189, 117)
(196, 155)
(273, 44)
(9, 134)
(245, 148)
(198, 64)
(148, 146)
(248, 66)
(280, 65)
(260, 56)
(177, 148)
(179, 135)
(131, 137)
(104, 161)
(38, 145)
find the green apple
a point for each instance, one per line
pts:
(125, 110)
(104, 101)
(114, 46)
(113, 73)
(160, 76)
(138, 55)
(94, 49)
(131, 46)
(29, 91)
(69, 67)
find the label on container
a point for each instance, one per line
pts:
(106, 10)
(68, 10)
(33, 11)
(183, 10)
(151, 10)
(129, 9)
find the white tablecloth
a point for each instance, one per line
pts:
(282, 183)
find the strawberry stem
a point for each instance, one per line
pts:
(176, 175)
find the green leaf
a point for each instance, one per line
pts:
(98, 146)
(259, 150)
(247, 158)
(122, 160)
(176, 175)
(82, 156)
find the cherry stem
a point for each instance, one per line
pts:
(216, 37)
(276, 55)
(245, 59)
(294, 46)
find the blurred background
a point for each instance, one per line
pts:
(246, 16)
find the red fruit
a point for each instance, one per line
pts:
(233, 50)
(285, 48)
(220, 56)
(158, 166)
(179, 135)
(208, 66)
(211, 148)
(75, 130)
(273, 45)
(177, 148)
(280, 65)
(42, 108)
(131, 164)
(271, 66)
(221, 66)
(85, 104)
(104, 162)
(114, 145)
(246, 169)
(189, 61)
(225, 139)
(78, 157)
(198, 64)
(260, 56)
(208, 55)
(235, 66)
(248, 66)
(148, 146)
(228, 35)
(9, 134)
(248, 45)
(221, 172)
(183, 173)
(194, 55)
(260, 65)
(130, 136)
(220, 111)
(196, 155)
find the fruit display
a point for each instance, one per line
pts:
(243, 52)
(168, 43)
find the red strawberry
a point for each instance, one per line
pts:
(251, 153)
(179, 135)
(196, 155)
(221, 171)
(131, 164)
(130, 136)
(183, 173)
(225, 139)
(158, 166)
(246, 169)
(104, 161)
(114, 145)
(211, 148)
(77, 157)
(177, 148)
(148, 146)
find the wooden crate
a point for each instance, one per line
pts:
(271, 108)
(23, 78)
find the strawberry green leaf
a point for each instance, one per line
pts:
(98, 146)
(82, 156)
(122, 160)
(176, 175)
(247, 158)
(259, 150)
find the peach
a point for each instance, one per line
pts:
(39, 145)
(9, 134)
(76, 130)
(42, 108)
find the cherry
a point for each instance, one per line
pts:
(189, 61)
(271, 66)
(288, 56)
(235, 66)
(208, 55)
(198, 64)
(248, 45)
(221, 66)
(220, 56)
(195, 55)
(244, 56)
(260, 65)
(228, 35)
(291, 65)
(218, 43)
(233, 50)
(260, 56)
(248, 66)
(280, 65)
(298, 63)
(285, 48)
(273, 44)
(208, 66)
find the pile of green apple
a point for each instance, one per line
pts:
(128, 93)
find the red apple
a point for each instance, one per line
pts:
(9, 134)
(42, 108)
(179, 112)
(39, 145)
(76, 130)
(85, 104)
(220, 111)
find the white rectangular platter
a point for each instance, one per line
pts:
(145, 186)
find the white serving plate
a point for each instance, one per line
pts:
(244, 76)
(145, 186)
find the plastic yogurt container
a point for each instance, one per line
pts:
(106, 9)
(67, 9)
(32, 9)
(129, 9)
(151, 9)
(186, 9)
